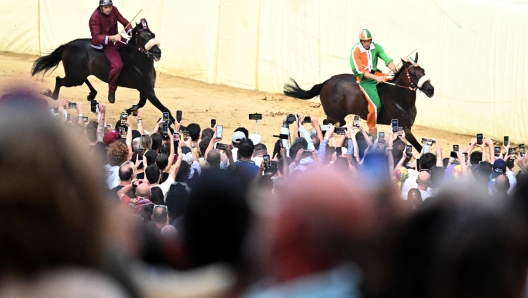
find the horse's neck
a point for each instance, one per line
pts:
(405, 95)
(140, 60)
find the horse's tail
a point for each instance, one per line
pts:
(45, 63)
(292, 89)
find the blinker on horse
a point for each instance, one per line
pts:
(340, 96)
(80, 60)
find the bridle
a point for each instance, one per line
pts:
(146, 48)
(413, 86)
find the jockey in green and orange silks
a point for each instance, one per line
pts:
(364, 61)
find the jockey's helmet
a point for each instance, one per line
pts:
(105, 2)
(364, 34)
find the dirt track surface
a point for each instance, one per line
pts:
(199, 102)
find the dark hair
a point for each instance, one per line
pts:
(152, 173)
(276, 149)
(295, 147)
(437, 176)
(156, 141)
(510, 163)
(341, 164)
(165, 148)
(427, 161)
(126, 175)
(183, 172)
(316, 141)
(445, 162)
(245, 148)
(204, 143)
(260, 148)
(362, 144)
(302, 141)
(91, 131)
(194, 131)
(162, 161)
(207, 132)
(475, 158)
(244, 130)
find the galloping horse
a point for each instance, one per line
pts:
(80, 60)
(341, 96)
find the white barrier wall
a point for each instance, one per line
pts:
(474, 51)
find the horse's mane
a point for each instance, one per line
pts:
(397, 75)
(130, 41)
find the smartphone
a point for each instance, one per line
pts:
(176, 144)
(522, 150)
(93, 106)
(394, 124)
(213, 123)
(418, 164)
(165, 130)
(219, 131)
(324, 127)
(220, 146)
(165, 117)
(122, 132)
(307, 119)
(178, 115)
(506, 141)
(408, 150)
(455, 148)
(308, 153)
(124, 117)
(72, 105)
(56, 110)
(339, 151)
(355, 122)
(479, 138)
(454, 154)
(497, 151)
(141, 151)
(426, 148)
(267, 161)
(255, 116)
(512, 151)
(400, 130)
(85, 119)
(134, 110)
(381, 135)
(340, 130)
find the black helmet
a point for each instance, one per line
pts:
(105, 2)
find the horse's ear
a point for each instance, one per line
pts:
(416, 58)
(404, 62)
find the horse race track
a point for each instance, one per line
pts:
(199, 102)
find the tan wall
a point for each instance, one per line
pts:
(474, 51)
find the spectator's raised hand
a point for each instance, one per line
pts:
(102, 108)
(315, 121)
(80, 107)
(299, 155)
(330, 132)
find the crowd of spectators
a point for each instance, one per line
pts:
(94, 209)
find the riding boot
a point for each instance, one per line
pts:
(111, 97)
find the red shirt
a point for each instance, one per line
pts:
(102, 25)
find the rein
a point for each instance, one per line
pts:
(140, 49)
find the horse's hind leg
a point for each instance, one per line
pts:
(93, 92)
(67, 81)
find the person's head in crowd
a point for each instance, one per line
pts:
(414, 198)
(145, 142)
(165, 149)
(194, 131)
(204, 143)
(126, 172)
(483, 172)
(244, 131)
(160, 216)
(91, 131)
(169, 231)
(183, 172)
(295, 147)
(52, 213)
(211, 236)
(427, 161)
(260, 149)
(460, 246)
(207, 132)
(143, 191)
(162, 161)
(502, 185)
(157, 140)
(398, 146)
(400, 175)
(499, 168)
(153, 174)
(213, 159)
(110, 137)
(117, 154)
(245, 148)
(423, 180)
(315, 140)
(150, 156)
(341, 165)
(302, 141)
(237, 137)
(475, 158)
(445, 162)
(510, 163)
(276, 149)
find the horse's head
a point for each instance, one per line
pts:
(416, 76)
(145, 40)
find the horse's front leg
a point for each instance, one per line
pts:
(151, 96)
(412, 139)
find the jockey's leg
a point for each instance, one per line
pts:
(116, 65)
(368, 87)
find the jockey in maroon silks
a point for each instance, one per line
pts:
(103, 27)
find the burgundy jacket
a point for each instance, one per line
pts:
(102, 25)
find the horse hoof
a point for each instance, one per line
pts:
(48, 93)
(111, 97)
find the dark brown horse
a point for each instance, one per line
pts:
(80, 60)
(341, 96)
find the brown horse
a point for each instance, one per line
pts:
(341, 96)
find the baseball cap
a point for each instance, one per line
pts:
(188, 158)
(256, 138)
(237, 137)
(110, 137)
(499, 167)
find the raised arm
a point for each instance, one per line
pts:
(141, 128)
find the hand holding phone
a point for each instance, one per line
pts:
(124, 118)
(72, 105)
(497, 151)
(355, 122)
(408, 151)
(267, 161)
(165, 117)
(455, 148)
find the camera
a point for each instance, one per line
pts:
(165, 130)
(72, 105)
(255, 116)
(340, 130)
(381, 137)
(512, 151)
(394, 125)
(178, 116)
(220, 146)
(454, 154)
(122, 132)
(290, 119)
(307, 119)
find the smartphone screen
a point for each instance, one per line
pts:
(179, 116)
(266, 160)
(324, 127)
(85, 119)
(213, 123)
(497, 151)
(506, 140)
(454, 154)
(479, 138)
(522, 149)
(512, 151)
(93, 106)
(455, 148)
(166, 116)
(219, 131)
(72, 105)
(408, 150)
(400, 131)
(355, 123)
(307, 119)
(381, 135)
(394, 124)
(426, 149)
(124, 117)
